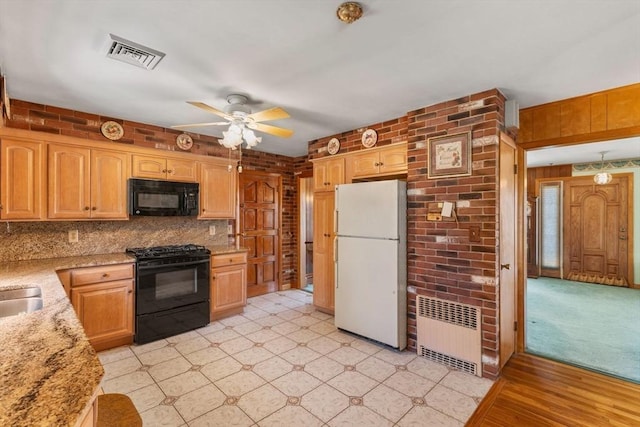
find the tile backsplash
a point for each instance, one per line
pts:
(37, 240)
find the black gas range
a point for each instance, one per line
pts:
(172, 290)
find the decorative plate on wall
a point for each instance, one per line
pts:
(184, 141)
(112, 130)
(333, 146)
(369, 138)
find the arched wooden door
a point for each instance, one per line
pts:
(596, 231)
(260, 229)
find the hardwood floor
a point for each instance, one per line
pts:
(538, 392)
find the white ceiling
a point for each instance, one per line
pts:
(330, 76)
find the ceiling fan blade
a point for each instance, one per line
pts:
(199, 124)
(210, 109)
(274, 113)
(273, 130)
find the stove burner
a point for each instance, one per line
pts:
(170, 250)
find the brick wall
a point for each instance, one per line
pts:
(389, 132)
(442, 262)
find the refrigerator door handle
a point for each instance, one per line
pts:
(335, 261)
(335, 221)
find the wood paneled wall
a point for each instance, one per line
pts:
(609, 114)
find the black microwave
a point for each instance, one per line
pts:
(162, 198)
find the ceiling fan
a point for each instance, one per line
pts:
(242, 122)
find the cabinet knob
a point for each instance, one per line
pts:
(105, 275)
(129, 291)
(169, 171)
(94, 208)
(86, 208)
(376, 164)
(164, 171)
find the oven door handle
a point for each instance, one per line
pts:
(178, 264)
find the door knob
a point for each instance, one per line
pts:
(505, 266)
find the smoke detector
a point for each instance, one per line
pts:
(133, 53)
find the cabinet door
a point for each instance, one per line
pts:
(217, 191)
(148, 167)
(109, 173)
(365, 163)
(181, 170)
(105, 310)
(393, 160)
(327, 174)
(323, 237)
(69, 182)
(22, 180)
(228, 287)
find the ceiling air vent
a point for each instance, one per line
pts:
(133, 53)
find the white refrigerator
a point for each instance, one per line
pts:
(371, 260)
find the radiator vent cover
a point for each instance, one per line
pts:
(449, 333)
(133, 53)
(448, 311)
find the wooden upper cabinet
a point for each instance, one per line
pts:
(69, 182)
(22, 192)
(609, 114)
(109, 173)
(218, 188)
(327, 173)
(86, 183)
(182, 170)
(388, 160)
(165, 168)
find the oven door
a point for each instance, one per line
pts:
(172, 283)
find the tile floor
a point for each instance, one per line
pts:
(282, 363)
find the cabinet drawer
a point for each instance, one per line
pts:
(228, 259)
(107, 273)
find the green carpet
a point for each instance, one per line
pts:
(583, 324)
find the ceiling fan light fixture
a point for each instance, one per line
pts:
(349, 12)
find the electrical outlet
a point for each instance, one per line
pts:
(73, 236)
(212, 230)
(229, 229)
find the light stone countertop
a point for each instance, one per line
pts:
(48, 369)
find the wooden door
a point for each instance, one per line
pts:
(69, 182)
(109, 173)
(596, 231)
(508, 247)
(22, 181)
(260, 230)
(217, 191)
(323, 237)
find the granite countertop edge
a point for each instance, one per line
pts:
(48, 369)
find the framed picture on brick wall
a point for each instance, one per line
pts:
(449, 155)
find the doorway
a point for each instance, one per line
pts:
(592, 326)
(305, 233)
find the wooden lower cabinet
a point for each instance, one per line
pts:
(228, 284)
(323, 240)
(103, 299)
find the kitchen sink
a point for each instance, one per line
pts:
(16, 301)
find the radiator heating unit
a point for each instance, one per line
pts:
(449, 333)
